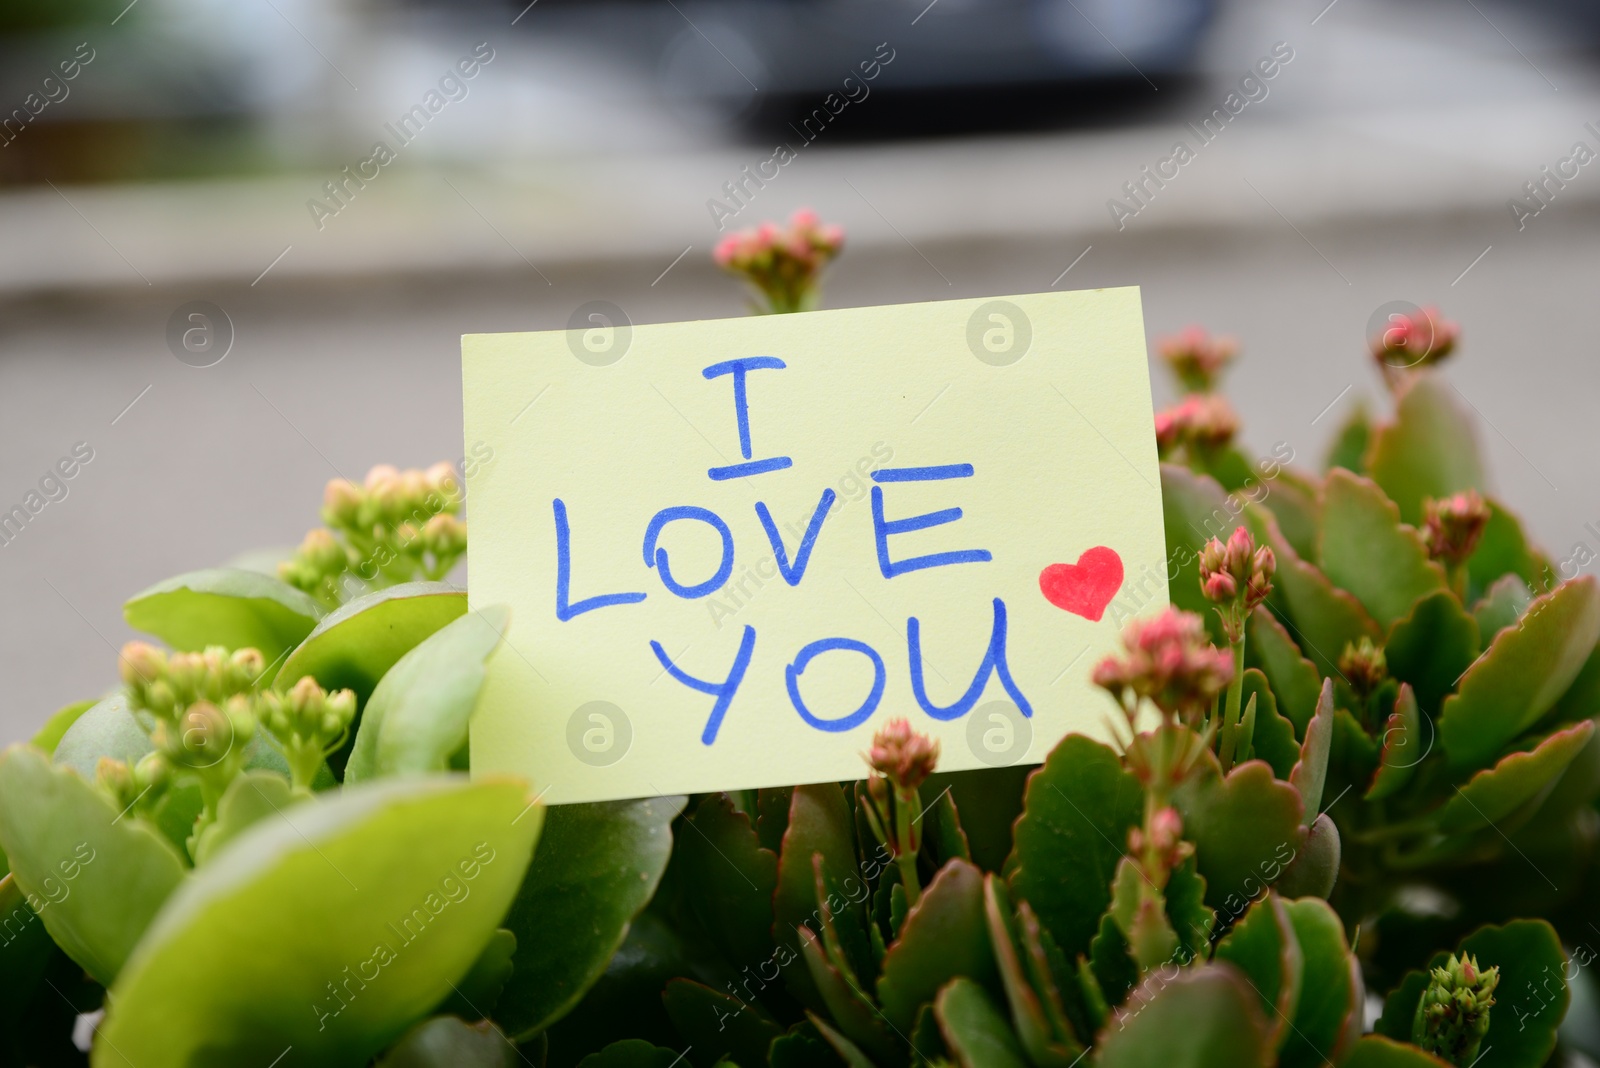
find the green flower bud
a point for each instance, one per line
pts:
(141, 664)
(116, 778)
(159, 699)
(341, 503)
(1453, 1015)
(153, 773)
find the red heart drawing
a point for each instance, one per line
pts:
(1086, 587)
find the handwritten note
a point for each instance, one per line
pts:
(733, 549)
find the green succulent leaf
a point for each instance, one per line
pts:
(1350, 441)
(1274, 737)
(416, 718)
(1195, 509)
(1404, 744)
(106, 728)
(1263, 946)
(410, 878)
(1366, 550)
(224, 606)
(1530, 1001)
(1502, 604)
(1041, 1026)
(1310, 773)
(1296, 685)
(717, 1025)
(847, 1050)
(96, 877)
(1076, 814)
(1244, 826)
(1111, 963)
(654, 953)
(1429, 450)
(974, 1029)
(1296, 507)
(476, 995)
(821, 822)
(49, 736)
(42, 990)
(849, 1006)
(596, 868)
(250, 798)
(1494, 794)
(802, 1046)
(448, 1042)
(1315, 868)
(1376, 1051)
(632, 1053)
(1431, 647)
(729, 879)
(1522, 674)
(1502, 550)
(1582, 699)
(988, 802)
(1322, 618)
(1328, 1017)
(945, 935)
(356, 644)
(1207, 1017)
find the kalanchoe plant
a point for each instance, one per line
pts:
(782, 266)
(1357, 750)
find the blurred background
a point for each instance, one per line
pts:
(163, 156)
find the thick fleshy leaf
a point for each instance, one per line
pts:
(1431, 647)
(1328, 1017)
(475, 996)
(46, 738)
(105, 729)
(1295, 682)
(1293, 500)
(1041, 1026)
(1502, 605)
(1494, 794)
(1310, 772)
(96, 877)
(1192, 919)
(974, 1030)
(850, 1008)
(988, 801)
(1502, 550)
(596, 867)
(653, 954)
(416, 718)
(448, 1042)
(356, 644)
(1582, 699)
(1376, 1051)
(42, 991)
(632, 1053)
(1404, 743)
(1072, 832)
(409, 878)
(945, 935)
(842, 1047)
(1523, 1025)
(250, 798)
(1521, 675)
(1242, 825)
(1367, 550)
(1263, 946)
(716, 1025)
(1349, 448)
(802, 1046)
(1207, 1017)
(1274, 737)
(1322, 618)
(1430, 450)
(1315, 869)
(1110, 962)
(1195, 509)
(224, 606)
(729, 879)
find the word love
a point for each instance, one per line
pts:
(792, 567)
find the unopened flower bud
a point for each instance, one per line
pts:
(1170, 662)
(1453, 526)
(903, 756)
(152, 773)
(1219, 586)
(1416, 339)
(1452, 1016)
(1363, 666)
(115, 778)
(141, 664)
(341, 503)
(443, 481)
(1196, 357)
(444, 535)
(1204, 421)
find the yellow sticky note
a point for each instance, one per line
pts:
(734, 549)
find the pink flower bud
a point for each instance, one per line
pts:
(1454, 525)
(903, 756)
(1197, 358)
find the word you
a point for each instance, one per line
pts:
(855, 91)
(792, 569)
(452, 890)
(453, 89)
(52, 488)
(1252, 90)
(764, 570)
(1136, 593)
(52, 90)
(1540, 191)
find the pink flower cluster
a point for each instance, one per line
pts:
(1454, 525)
(1204, 421)
(1415, 340)
(1196, 357)
(1171, 662)
(903, 756)
(783, 265)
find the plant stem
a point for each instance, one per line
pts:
(905, 841)
(1230, 721)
